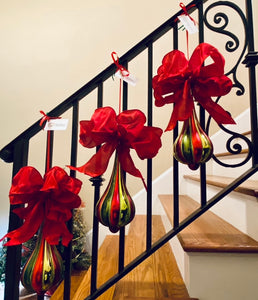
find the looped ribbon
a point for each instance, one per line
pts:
(186, 11)
(120, 132)
(46, 118)
(182, 82)
(47, 201)
(122, 70)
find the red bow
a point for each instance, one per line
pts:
(48, 200)
(119, 133)
(180, 81)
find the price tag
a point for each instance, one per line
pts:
(56, 124)
(129, 78)
(188, 24)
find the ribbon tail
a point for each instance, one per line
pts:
(183, 106)
(128, 166)
(97, 165)
(26, 231)
(216, 111)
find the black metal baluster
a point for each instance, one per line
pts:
(96, 182)
(13, 255)
(203, 188)
(48, 165)
(149, 161)
(251, 61)
(73, 162)
(125, 90)
(49, 150)
(175, 162)
(121, 255)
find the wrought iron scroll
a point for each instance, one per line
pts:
(236, 148)
(220, 25)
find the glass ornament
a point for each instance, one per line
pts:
(115, 208)
(193, 146)
(43, 270)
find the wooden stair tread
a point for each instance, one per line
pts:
(107, 261)
(158, 277)
(244, 151)
(208, 233)
(76, 279)
(249, 187)
(222, 154)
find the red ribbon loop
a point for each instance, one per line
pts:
(46, 118)
(186, 10)
(122, 70)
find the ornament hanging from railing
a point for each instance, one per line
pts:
(48, 202)
(117, 133)
(184, 82)
(44, 268)
(45, 205)
(115, 208)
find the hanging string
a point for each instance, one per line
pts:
(192, 19)
(49, 140)
(123, 72)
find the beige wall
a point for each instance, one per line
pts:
(51, 48)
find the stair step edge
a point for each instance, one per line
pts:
(248, 188)
(209, 233)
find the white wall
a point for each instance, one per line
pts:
(51, 48)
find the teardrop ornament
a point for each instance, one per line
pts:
(43, 270)
(115, 208)
(193, 146)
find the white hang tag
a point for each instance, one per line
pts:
(56, 124)
(188, 23)
(129, 79)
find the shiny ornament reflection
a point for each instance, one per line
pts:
(115, 208)
(193, 146)
(43, 269)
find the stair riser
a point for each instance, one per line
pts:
(222, 276)
(238, 209)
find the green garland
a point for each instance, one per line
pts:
(81, 260)
(2, 263)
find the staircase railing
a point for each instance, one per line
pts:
(16, 152)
